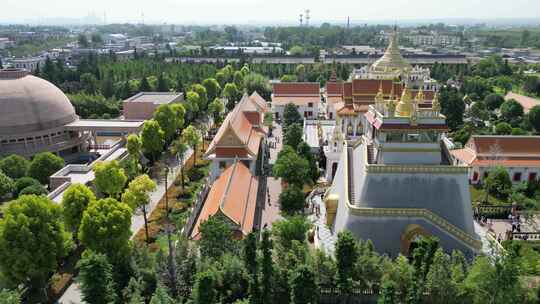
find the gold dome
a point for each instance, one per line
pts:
(391, 61)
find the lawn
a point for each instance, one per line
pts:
(478, 195)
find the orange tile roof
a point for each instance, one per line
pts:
(525, 101)
(334, 99)
(505, 146)
(347, 89)
(239, 125)
(255, 97)
(234, 195)
(334, 88)
(465, 155)
(296, 89)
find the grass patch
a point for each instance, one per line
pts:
(478, 195)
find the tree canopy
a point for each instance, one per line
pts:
(110, 178)
(44, 165)
(14, 166)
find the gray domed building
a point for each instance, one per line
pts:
(34, 113)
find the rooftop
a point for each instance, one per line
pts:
(156, 97)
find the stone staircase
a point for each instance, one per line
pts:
(370, 154)
(350, 174)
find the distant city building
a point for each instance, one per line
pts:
(434, 40)
(5, 42)
(305, 96)
(30, 64)
(519, 155)
(144, 104)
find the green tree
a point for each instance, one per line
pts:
(251, 265)
(204, 291)
(216, 108)
(179, 148)
(192, 137)
(254, 82)
(288, 78)
(152, 138)
(96, 278)
(291, 200)
(493, 101)
(107, 85)
(110, 178)
(498, 182)
(346, 257)
(203, 95)
(44, 165)
(106, 227)
(192, 105)
(169, 120)
(161, 296)
(296, 50)
(300, 72)
(533, 116)
(14, 166)
(439, 283)
(213, 89)
(162, 83)
(137, 196)
(232, 94)
(292, 168)
(495, 281)
(267, 267)
(452, 106)
(294, 134)
(291, 115)
(238, 79)
(503, 128)
(89, 83)
(134, 146)
(32, 241)
(304, 288)
(23, 183)
(74, 202)
(7, 185)
(144, 86)
(388, 293)
(34, 189)
(216, 238)
(291, 229)
(83, 41)
(511, 111)
(479, 111)
(9, 296)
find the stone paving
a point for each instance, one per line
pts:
(325, 239)
(271, 210)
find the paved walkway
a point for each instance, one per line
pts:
(325, 239)
(271, 210)
(73, 293)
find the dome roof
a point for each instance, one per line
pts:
(31, 104)
(391, 61)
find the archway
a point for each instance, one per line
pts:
(410, 237)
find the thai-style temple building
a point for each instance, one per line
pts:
(519, 155)
(233, 196)
(395, 183)
(393, 180)
(241, 136)
(387, 77)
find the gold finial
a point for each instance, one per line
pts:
(420, 95)
(436, 105)
(379, 98)
(391, 106)
(405, 107)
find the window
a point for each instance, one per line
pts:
(310, 104)
(517, 177)
(475, 176)
(532, 176)
(222, 164)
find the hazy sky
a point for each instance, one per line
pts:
(265, 11)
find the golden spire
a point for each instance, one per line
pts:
(436, 105)
(405, 107)
(379, 98)
(420, 96)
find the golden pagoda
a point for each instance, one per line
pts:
(391, 61)
(379, 98)
(405, 107)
